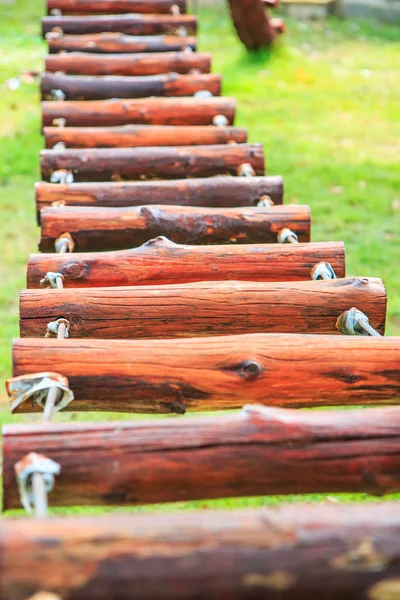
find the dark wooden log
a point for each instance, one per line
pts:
(212, 192)
(131, 24)
(110, 43)
(292, 552)
(95, 229)
(165, 162)
(78, 87)
(152, 111)
(160, 261)
(76, 7)
(146, 63)
(257, 451)
(130, 136)
(202, 308)
(252, 23)
(217, 373)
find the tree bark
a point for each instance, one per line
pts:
(255, 452)
(152, 111)
(95, 229)
(131, 136)
(110, 43)
(217, 373)
(98, 88)
(296, 552)
(147, 63)
(165, 162)
(252, 23)
(131, 24)
(202, 308)
(113, 7)
(160, 261)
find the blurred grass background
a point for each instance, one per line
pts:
(325, 104)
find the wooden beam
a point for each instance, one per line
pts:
(76, 7)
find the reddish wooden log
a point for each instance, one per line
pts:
(202, 308)
(95, 229)
(130, 136)
(77, 87)
(217, 373)
(110, 43)
(152, 111)
(350, 551)
(165, 162)
(252, 23)
(147, 63)
(160, 261)
(131, 24)
(258, 451)
(75, 7)
(212, 192)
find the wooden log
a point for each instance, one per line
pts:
(160, 261)
(78, 87)
(202, 308)
(252, 23)
(130, 136)
(146, 63)
(130, 24)
(76, 7)
(212, 192)
(165, 162)
(255, 452)
(152, 111)
(95, 229)
(264, 553)
(217, 373)
(110, 43)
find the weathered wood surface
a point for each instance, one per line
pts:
(111, 7)
(80, 87)
(252, 23)
(257, 451)
(217, 373)
(109, 43)
(98, 229)
(212, 191)
(146, 63)
(202, 308)
(151, 111)
(130, 136)
(130, 24)
(294, 551)
(161, 261)
(165, 162)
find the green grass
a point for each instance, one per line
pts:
(325, 105)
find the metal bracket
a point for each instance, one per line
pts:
(25, 470)
(35, 387)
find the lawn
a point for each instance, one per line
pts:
(325, 104)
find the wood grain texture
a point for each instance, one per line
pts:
(255, 452)
(110, 7)
(131, 136)
(147, 63)
(286, 553)
(110, 43)
(151, 111)
(98, 229)
(212, 192)
(130, 24)
(252, 23)
(83, 87)
(165, 162)
(161, 261)
(218, 373)
(202, 308)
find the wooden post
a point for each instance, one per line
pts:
(109, 43)
(75, 7)
(147, 63)
(98, 229)
(218, 373)
(202, 308)
(151, 111)
(255, 452)
(282, 552)
(168, 162)
(252, 24)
